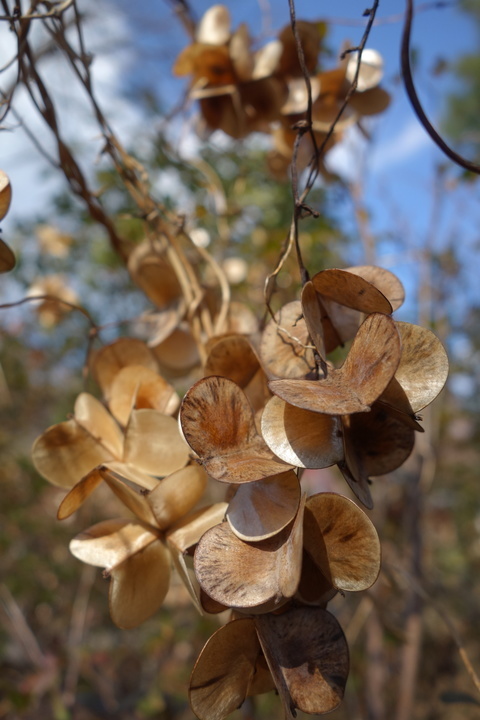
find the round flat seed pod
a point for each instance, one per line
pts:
(139, 585)
(248, 575)
(382, 440)
(137, 386)
(7, 258)
(176, 494)
(367, 370)
(109, 360)
(232, 357)
(214, 26)
(307, 654)
(351, 290)
(153, 443)
(5, 194)
(423, 367)
(283, 350)
(300, 437)
(66, 452)
(384, 280)
(111, 542)
(95, 418)
(225, 670)
(219, 425)
(342, 541)
(371, 69)
(263, 508)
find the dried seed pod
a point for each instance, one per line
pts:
(307, 654)
(137, 386)
(342, 541)
(153, 444)
(219, 425)
(136, 561)
(109, 360)
(263, 508)
(225, 671)
(300, 437)
(250, 575)
(367, 370)
(283, 348)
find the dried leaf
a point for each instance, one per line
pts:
(301, 437)
(307, 654)
(225, 670)
(219, 425)
(342, 541)
(261, 509)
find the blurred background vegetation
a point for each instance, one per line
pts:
(60, 655)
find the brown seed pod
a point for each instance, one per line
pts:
(219, 425)
(342, 541)
(307, 654)
(367, 370)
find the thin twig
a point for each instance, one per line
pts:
(416, 104)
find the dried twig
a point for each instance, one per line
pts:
(416, 104)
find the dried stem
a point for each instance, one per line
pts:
(416, 104)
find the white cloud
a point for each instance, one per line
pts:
(409, 141)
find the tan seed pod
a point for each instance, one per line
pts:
(109, 360)
(139, 585)
(66, 452)
(283, 348)
(248, 575)
(300, 437)
(137, 386)
(263, 508)
(219, 425)
(342, 541)
(350, 290)
(423, 367)
(153, 443)
(225, 670)
(367, 370)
